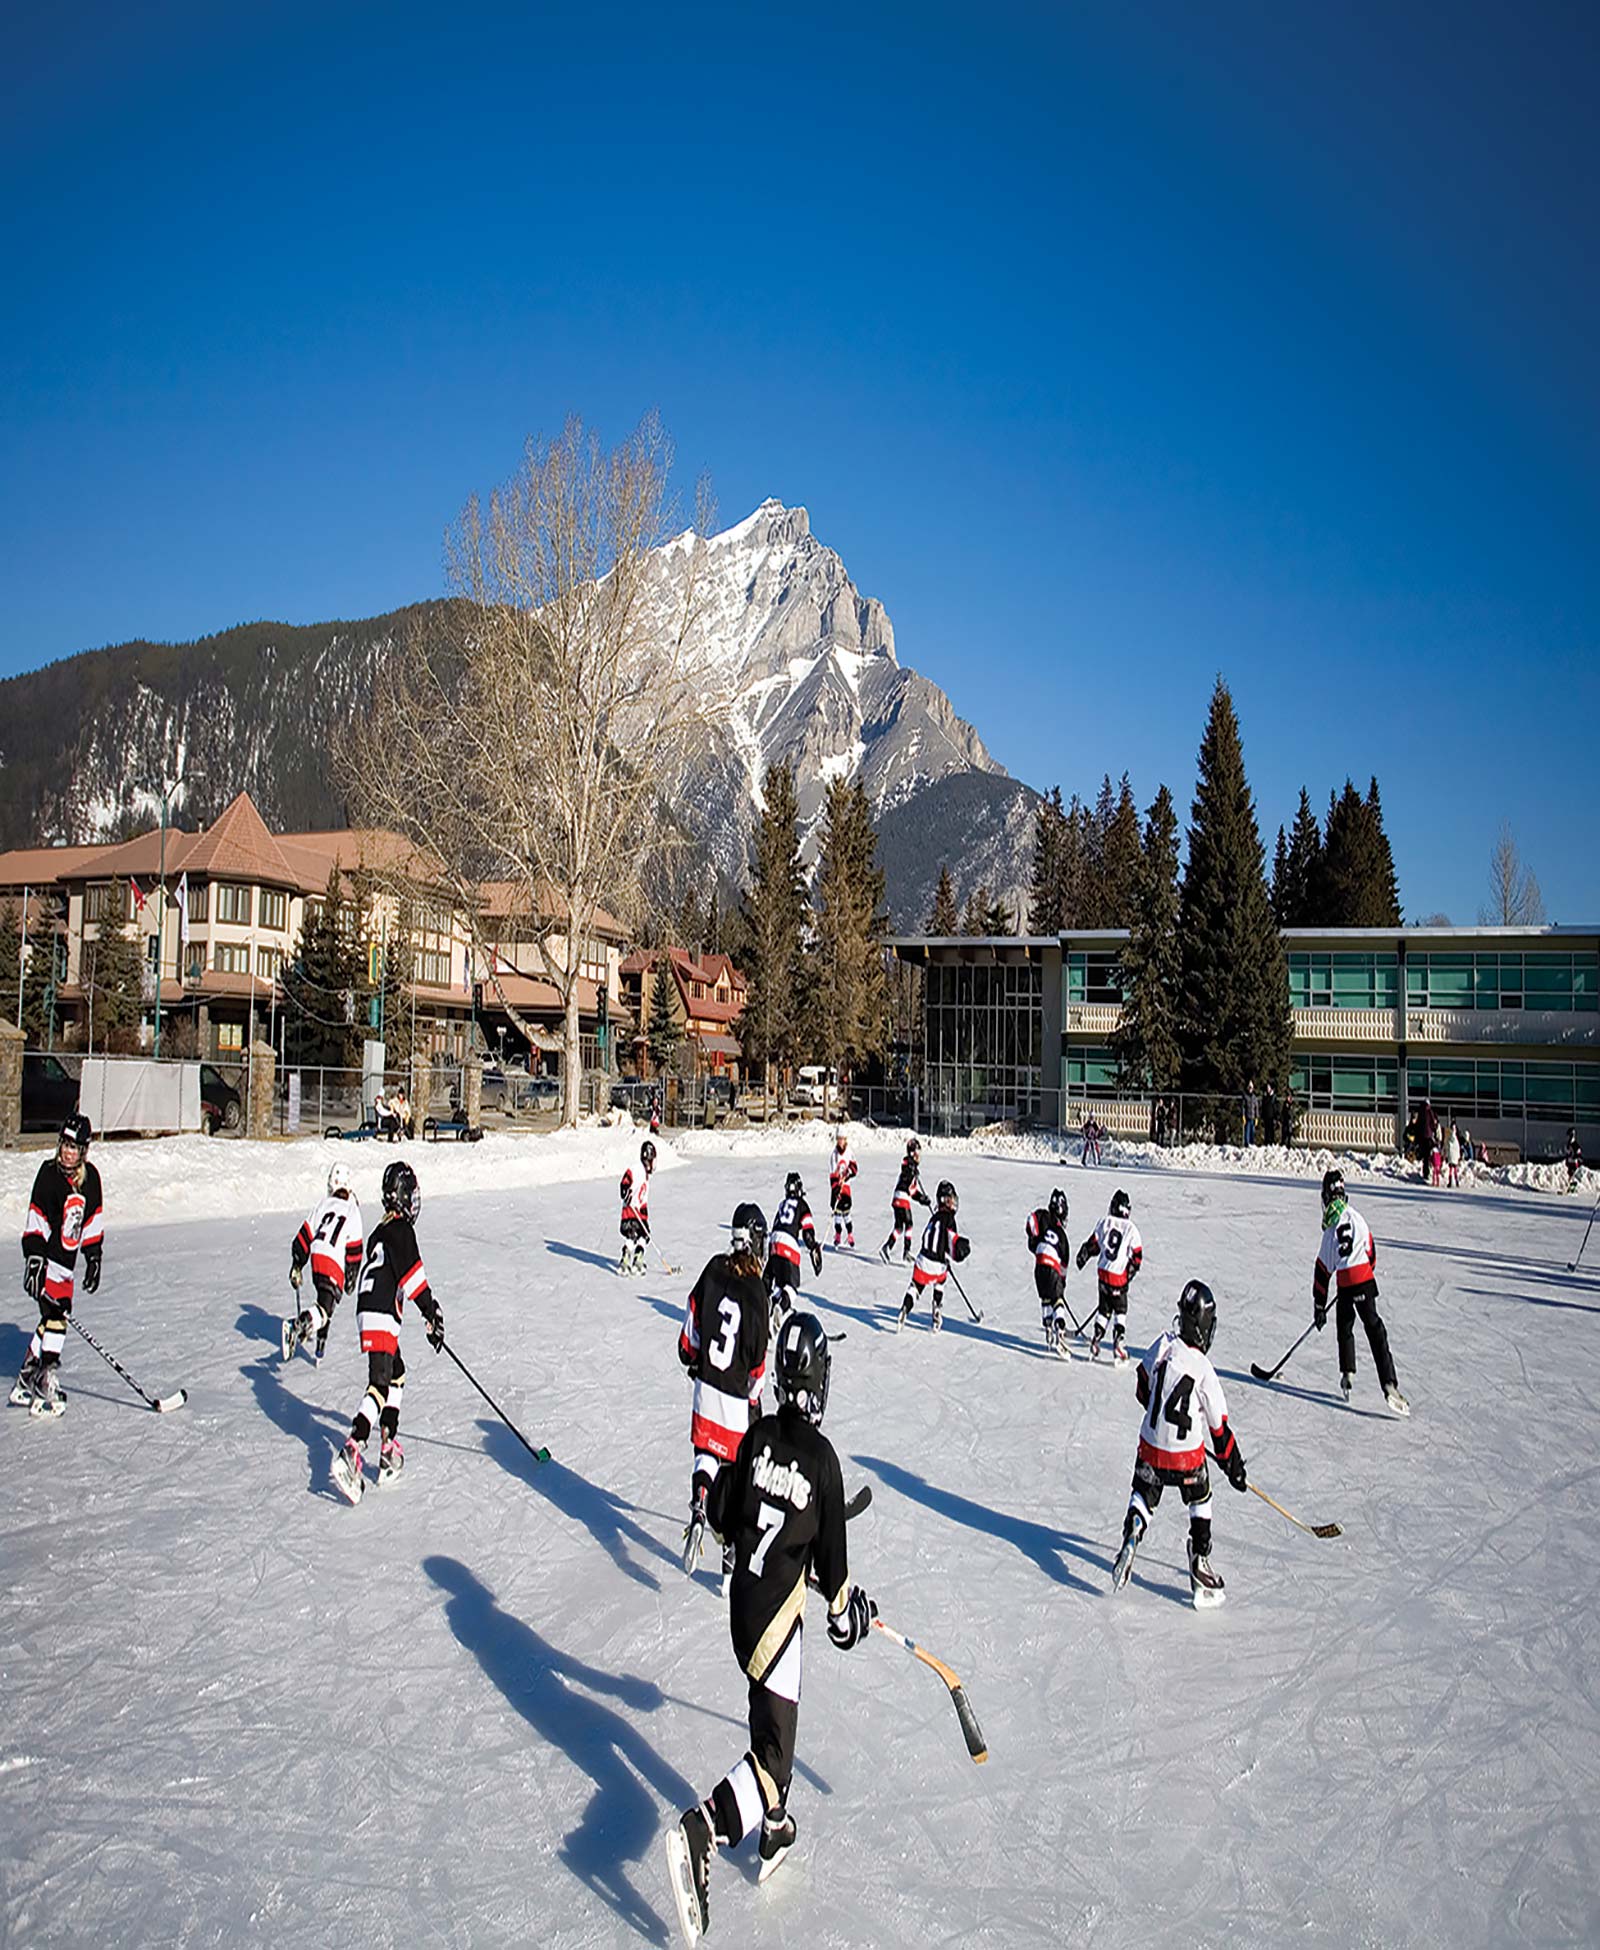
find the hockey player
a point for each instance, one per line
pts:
(841, 1169)
(793, 1232)
(723, 1345)
(907, 1187)
(781, 1505)
(941, 1243)
(65, 1218)
(1182, 1398)
(1345, 1260)
(1574, 1157)
(1121, 1253)
(329, 1241)
(1051, 1249)
(635, 1226)
(392, 1275)
(1092, 1133)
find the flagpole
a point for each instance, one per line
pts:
(22, 952)
(161, 916)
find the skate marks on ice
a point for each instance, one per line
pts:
(1328, 1398)
(563, 1701)
(606, 1263)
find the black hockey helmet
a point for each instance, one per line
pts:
(747, 1231)
(647, 1155)
(1058, 1205)
(794, 1186)
(946, 1195)
(75, 1129)
(802, 1366)
(401, 1192)
(1333, 1196)
(913, 1147)
(1121, 1204)
(1197, 1315)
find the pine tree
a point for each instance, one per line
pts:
(1121, 857)
(665, 1032)
(113, 979)
(1234, 1021)
(1146, 1037)
(10, 960)
(944, 919)
(976, 918)
(41, 977)
(1280, 877)
(325, 986)
(997, 918)
(1046, 891)
(1078, 893)
(774, 921)
(852, 995)
(1098, 903)
(1358, 879)
(1385, 881)
(1297, 904)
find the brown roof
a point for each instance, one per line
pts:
(502, 899)
(35, 866)
(239, 847)
(685, 970)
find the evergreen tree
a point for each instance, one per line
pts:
(113, 978)
(1385, 881)
(1076, 868)
(10, 961)
(1098, 904)
(1234, 1021)
(1121, 856)
(397, 973)
(43, 974)
(774, 920)
(976, 919)
(997, 918)
(1146, 1038)
(852, 994)
(1046, 891)
(665, 1032)
(1280, 876)
(325, 986)
(944, 919)
(1297, 904)
(1358, 879)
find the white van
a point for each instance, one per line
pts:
(816, 1086)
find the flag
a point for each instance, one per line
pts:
(138, 895)
(466, 971)
(183, 910)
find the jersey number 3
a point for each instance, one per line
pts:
(720, 1352)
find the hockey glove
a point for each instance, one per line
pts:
(959, 1248)
(296, 1274)
(33, 1275)
(847, 1628)
(923, 1199)
(91, 1269)
(1319, 1314)
(1231, 1457)
(436, 1329)
(816, 1258)
(351, 1275)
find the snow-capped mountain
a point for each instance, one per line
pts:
(805, 661)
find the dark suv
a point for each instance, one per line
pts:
(49, 1093)
(221, 1106)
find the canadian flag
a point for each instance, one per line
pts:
(138, 896)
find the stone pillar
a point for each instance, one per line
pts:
(263, 1083)
(421, 1089)
(472, 1091)
(11, 1044)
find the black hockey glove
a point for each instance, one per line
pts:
(33, 1276)
(91, 1269)
(923, 1199)
(351, 1275)
(1319, 1314)
(296, 1275)
(847, 1628)
(436, 1328)
(959, 1248)
(816, 1258)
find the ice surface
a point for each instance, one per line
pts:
(239, 1711)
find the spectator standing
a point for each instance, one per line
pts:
(1252, 1110)
(1452, 1154)
(1287, 1115)
(1269, 1116)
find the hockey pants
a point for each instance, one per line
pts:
(759, 1784)
(1050, 1283)
(380, 1405)
(1113, 1301)
(1345, 1311)
(50, 1337)
(1194, 1487)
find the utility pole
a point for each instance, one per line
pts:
(167, 790)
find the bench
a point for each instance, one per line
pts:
(435, 1130)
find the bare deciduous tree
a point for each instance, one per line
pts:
(520, 737)
(1514, 897)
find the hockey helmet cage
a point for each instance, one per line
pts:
(794, 1186)
(1058, 1205)
(1333, 1197)
(1121, 1204)
(946, 1195)
(802, 1366)
(75, 1129)
(1197, 1315)
(647, 1155)
(338, 1179)
(747, 1231)
(401, 1192)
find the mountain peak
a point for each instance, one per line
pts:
(771, 525)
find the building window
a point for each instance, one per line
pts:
(1094, 975)
(199, 900)
(1092, 1071)
(274, 909)
(1536, 979)
(269, 961)
(233, 903)
(1341, 981)
(230, 1036)
(194, 961)
(983, 1030)
(434, 968)
(100, 902)
(231, 957)
(1559, 1093)
(1354, 1083)
(593, 964)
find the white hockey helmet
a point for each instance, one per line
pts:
(338, 1179)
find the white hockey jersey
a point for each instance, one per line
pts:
(330, 1238)
(1121, 1250)
(1185, 1401)
(1347, 1257)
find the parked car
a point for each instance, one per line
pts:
(634, 1094)
(221, 1106)
(720, 1090)
(542, 1092)
(817, 1086)
(49, 1093)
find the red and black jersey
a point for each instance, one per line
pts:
(392, 1275)
(64, 1217)
(723, 1344)
(330, 1238)
(1048, 1241)
(781, 1506)
(636, 1196)
(793, 1229)
(908, 1186)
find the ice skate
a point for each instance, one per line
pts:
(1122, 1570)
(1396, 1400)
(26, 1386)
(730, 1557)
(905, 1257)
(777, 1838)
(1205, 1585)
(689, 1850)
(1347, 1385)
(885, 1250)
(905, 1313)
(850, 1238)
(49, 1397)
(938, 1314)
(694, 1535)
(391, 1460)
(1094, 1342)
(1119, 1348)
(838, 1238)
(1063, 1351)
(349, 1472)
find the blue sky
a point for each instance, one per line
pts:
(1110, 347)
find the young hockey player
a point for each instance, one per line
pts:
(724, 1347)
(1182, 1398)
(1051, 1249)
(64, 1219)
(841, 1169)
(907, 1187)
(792, 1233)
(391, 1276)
(1574, 1156)
(330, 1241)
(1092, 1133)
(635, 1226)
(941, 1243)
(1346, 1259)
(781, 1506)
(1121, 1253)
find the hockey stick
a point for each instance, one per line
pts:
(1572, 1265)
(162, 1404)
(1312, 1529)
(976, 1315)
(971, 1732)
(1271, 1374)
(539, 1455)
(662, 1261)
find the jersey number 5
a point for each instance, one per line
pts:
(1176, 1411)
(720, 1352)
(1346, 1236)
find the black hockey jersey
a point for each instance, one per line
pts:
(781, 1505)
(793, 1229)
(391, 1276)
(64, 1218)
(909, 1185)
(942, 1241)
(723, 1344)
(1047, 1239)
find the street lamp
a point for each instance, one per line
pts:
(168, 789)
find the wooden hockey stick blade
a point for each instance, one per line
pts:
(1315, 1529)
(971, 1732)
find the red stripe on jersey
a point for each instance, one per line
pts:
(1187, 1461)
(57, 1284)
(1108, 1278)
(784, 1247)
(379, 1340)
(1357, 1275)
(95, 1230)
(714, 1438)
(1047, 1256)
(920, 1278)
(757, 1376)
(37, 1222)
(411, 1284)
(902, 1203)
